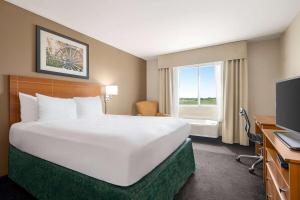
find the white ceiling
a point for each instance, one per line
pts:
(147, 28)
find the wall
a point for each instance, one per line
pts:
(264, 66)
(290, 50)
(108, 65)
(152, 80)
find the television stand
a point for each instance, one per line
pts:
(281, 183)
(291, 139)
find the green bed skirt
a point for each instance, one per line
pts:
(45, 180)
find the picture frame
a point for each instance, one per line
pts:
(61, 55)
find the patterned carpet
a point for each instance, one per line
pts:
(218, 176)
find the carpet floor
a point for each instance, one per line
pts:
(218, 176)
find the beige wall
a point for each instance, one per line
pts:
(152, 80)
(263, 62)
(290, 43)
(108, 65)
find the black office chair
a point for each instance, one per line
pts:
(256, 138)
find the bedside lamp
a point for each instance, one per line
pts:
(110, 90)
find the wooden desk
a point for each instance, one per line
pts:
(283, 184)
(263, 122)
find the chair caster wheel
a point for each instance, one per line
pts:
(251, 170)
(238, 159)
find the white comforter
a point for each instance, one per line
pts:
(116, 149)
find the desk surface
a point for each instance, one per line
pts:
(288, 154)
(265, 120)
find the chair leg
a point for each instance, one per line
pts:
(251, 169)
(246, 156)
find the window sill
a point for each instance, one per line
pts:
(195, 106)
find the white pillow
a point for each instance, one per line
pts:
(52, 108)
(88, 107)
(29, 107)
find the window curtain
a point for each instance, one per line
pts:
(168, 92)
(219, 84)
(175, 89)
(165, 90)
(235, 96)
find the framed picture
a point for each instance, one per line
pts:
(61, 55)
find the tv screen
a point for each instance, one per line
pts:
(288, 104)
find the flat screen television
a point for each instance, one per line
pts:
(288, 111)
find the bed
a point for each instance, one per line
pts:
(111, 157)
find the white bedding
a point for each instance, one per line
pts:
(116, 149)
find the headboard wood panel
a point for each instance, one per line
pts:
(49, 87)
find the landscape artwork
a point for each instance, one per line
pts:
(60, 55)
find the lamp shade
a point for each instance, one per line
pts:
(111, 90)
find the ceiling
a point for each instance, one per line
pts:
(148, 28)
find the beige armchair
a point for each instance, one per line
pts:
(148, 108)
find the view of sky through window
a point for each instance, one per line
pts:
(197, 80)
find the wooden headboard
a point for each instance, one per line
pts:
(49, 87)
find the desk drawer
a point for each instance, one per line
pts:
(275, 186)
(280, 174)
(271, 193)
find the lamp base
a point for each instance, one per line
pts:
(106, 101)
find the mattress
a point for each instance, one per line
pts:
(116, 149)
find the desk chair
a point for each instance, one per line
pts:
(256, 138)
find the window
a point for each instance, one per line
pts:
(199, 91)
(188, 86)
(198, 85)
